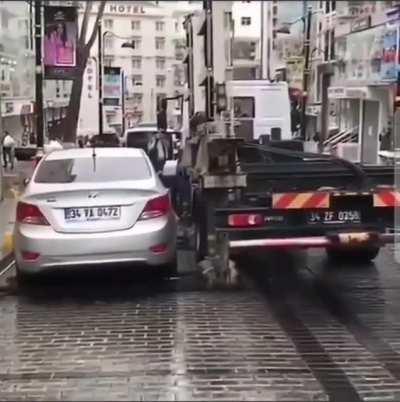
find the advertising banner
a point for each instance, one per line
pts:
(60, 42)
(112, 86)
(389, 63)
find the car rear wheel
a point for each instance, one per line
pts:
(359, 254)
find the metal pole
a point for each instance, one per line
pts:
(123, 101)
(306, 73)
(31, 24)
(261, 76)
(100, 67)
(39, 75)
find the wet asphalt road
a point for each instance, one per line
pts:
(300, 329)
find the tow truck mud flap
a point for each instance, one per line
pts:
(218, 269)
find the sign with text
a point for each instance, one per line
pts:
(112, 87)
(60, 42)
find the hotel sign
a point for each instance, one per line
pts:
(125, 9)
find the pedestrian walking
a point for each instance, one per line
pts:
(8, 144)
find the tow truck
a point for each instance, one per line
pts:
(248, 195)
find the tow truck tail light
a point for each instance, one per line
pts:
(245, 220)
(30, 214)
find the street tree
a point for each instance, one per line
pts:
(85, 43)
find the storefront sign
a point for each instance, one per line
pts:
(112, 89)
(60, 42)
(347, 93)
(389, 64)
(361, 23)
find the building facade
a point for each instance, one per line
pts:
(151, 63)
(17, 77)
(354, 75)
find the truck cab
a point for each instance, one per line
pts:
(262, 108)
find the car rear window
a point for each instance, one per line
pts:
(139, 139)
(86, 170)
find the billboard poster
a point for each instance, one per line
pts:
(60, 42)
(389, 62)
(112, 86)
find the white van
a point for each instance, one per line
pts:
(262, 107)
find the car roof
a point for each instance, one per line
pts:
(100, 152)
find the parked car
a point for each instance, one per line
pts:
(105, 140)
(90, 207)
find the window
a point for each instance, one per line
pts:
(137, 79)
(160, 96)
(109, 60)
(160, 63)
(327, 7)
(108, 42)
(80, 170)
(137, 97)
(243, 106)
(160, 81)
(333, 5)
(136, 43)
(109, 24)
(326, 45)
(160, 25)
(332, 45)
(246, 20)
(137, 62)
(135, 25)
(160, 43)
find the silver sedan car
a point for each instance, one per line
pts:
(94, 206)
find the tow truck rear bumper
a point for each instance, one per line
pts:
(333, 240)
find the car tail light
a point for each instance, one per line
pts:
(28, 213)
(156, 207)
(245, 220)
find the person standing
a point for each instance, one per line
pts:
(8, 150)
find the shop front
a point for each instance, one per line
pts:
(362, 98)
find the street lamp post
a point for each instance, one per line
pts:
(100, 68)
(39, 74)
(306, 73)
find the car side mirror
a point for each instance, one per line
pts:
(26, 181)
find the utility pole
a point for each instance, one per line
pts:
(39, 74)
(123, 101)
(100, 53)
(306, 72)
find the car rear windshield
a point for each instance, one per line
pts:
(139, 139)
(90, 170)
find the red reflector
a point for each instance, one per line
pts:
(156, 207)
(159, 248)
(30, 256)
(245, 220)
(30, 214)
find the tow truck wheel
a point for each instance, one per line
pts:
(361, 254)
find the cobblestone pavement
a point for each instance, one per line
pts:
(300, 329)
